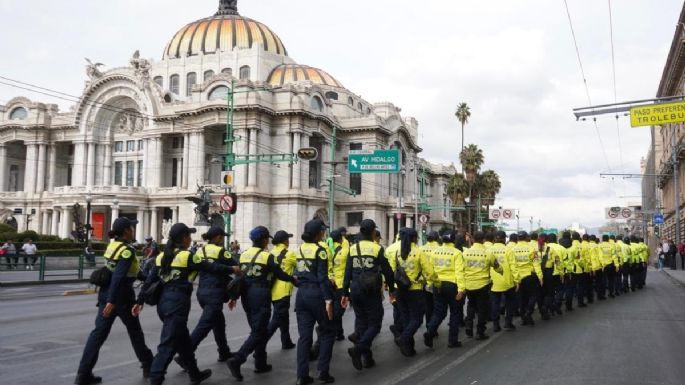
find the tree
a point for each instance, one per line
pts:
(463, 114)
(471, 158)
(458, 188)
(488, 185)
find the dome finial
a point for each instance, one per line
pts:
(228, 7)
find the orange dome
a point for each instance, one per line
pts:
(290, 73)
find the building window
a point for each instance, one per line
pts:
(245, 73)
(129, 173)
(140, 173)
(350, 101)
(359, 106)
(227, 71)
(315, 165)
(317, 104)
(118, 147)
(117, 173)
(174, 83)
(191, 80)
(70, 173)
(18, 113)
(218, 93)
(332, 95)
(356, 178)
(130, 145)
(208, 75)
(174, 172)
(14, 178)
(70, 150)
(177, 142)
(140, 145)
(159, 81)
(355, 219)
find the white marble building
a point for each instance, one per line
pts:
(143, 136)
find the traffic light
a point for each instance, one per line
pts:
(307, 153)
(656, 231)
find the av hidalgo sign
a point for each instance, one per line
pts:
(378, 161)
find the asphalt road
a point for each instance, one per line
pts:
(635, 339)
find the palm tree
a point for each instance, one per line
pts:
(471, 158)
(463, 114)
(458, 188)
(488, 185)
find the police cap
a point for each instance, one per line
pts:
(280, 237)
(121, 224)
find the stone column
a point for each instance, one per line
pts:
(30, 169)
(90, 171)
(297, 167)
(115, 212)
(55, 221)
(179, 171)
(154, 223)
(40, 174)
(52, 168)
(158, 169)
(79, 164)
(200, 158)
(146, 160)
(140, 227)
(135, 173)
(174, 215)
(186, 160)
(391, 233)
(252, 168)
(107, 172)
(45, 226)
(4, 166)
(67, 224)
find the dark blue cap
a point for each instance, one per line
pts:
(213, 232)
(180, 229)
(121, 224)
(281, 236)
(367, 227)
(259, 233)
(314, 227)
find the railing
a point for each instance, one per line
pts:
(17, 268)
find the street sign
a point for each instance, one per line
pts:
(627, 213)
(376, 161)
(657, 114)
(227, 179)
(424, 219)
(507, 213)
(495, 214)
(307, 153)
(658, 219)
(229, 203)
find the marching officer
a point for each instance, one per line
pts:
(336, 274)
(258, 266)
(558, 256)
(362, 287)
(503, 286)
(432, 243)
(446, 261)
(314, 303)
(574, 269)
(527, 274)
(176, 268)
(282, 290)
(116, 299)
(627, 258)
(609, 262)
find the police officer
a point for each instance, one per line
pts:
(503, 286)
(410, 297)
(572, 268)
(627, 258)
(559, 260)
(211, 293)
(619, 259)
(396, 326)
(445, 260)
(337, 275)
(258, 266)
(432, 242)
(116, 300)
(527, 274)
(282, 290)
(362, 286)
(314, 303)
(473, 280)
(609, 262)
(176, 268)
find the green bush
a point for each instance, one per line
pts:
(7, 228)
(30, 234)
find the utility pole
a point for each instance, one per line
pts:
(674, 150)
(331, 181)
(229, 158)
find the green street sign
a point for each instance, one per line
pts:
(377, 161)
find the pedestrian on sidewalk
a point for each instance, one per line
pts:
(681, 253)
(660, 257)
(10, 252)
(89, 254)
(29, 249)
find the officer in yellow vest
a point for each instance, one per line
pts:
(432, 242)
(177, 268)
(609, 262)
(586, 257)
(559, 260)
(645, 260)
(282, 290)
(527, 275)
(626, 264)
(314, 303)
(474, 281)
(362, 287)
(396, 326)
(596, 264)
(617, 279)
(503, 285)
(336, 272)
(211, 294)
(445, 259)
(573, 268)
(410, 297)
(116, 300)
(259, 268)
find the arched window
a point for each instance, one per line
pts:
(359, 106)
(174, 83)
(332, 95)
(159, 80)
(245, 73)
(218, 93)
(208, 75)
(350, 101)
(317, 104)
(191, 80)
(18, 113)
(368, 110)
(227, 71)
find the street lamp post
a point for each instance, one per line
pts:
(89, 200)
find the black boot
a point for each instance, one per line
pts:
(496, 328)
(326, 378)
(87, 379)
(356, 357)
(199, 376)
(234, 366)
(428, 339)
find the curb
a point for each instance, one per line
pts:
(38, 283)
(79, 292)
(674, 278)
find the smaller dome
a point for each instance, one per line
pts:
(292, 73)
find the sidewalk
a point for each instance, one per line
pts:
(677, 275)
(31, 277)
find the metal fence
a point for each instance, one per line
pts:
(23, 267)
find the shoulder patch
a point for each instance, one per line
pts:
(126, 253)
(227, 254)
(197, 258)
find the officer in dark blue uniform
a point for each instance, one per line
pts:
(258, 266)
(211, 293)
(314, 303)
(366, 258)
(116, 300)
(177, 268)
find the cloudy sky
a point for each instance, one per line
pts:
(513, 62)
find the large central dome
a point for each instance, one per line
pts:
(225, 31)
